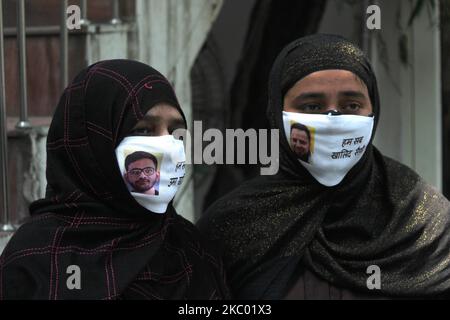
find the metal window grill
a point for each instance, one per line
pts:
(6, 223)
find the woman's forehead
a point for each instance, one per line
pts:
(163, 114)
(164, 109)
(332, 75)
(334, 79)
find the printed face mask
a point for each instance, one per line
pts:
(153, 169)
(328, 145)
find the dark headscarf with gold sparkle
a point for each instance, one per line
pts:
(381, 214)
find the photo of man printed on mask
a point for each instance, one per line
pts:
(141, 173)
(301, 141)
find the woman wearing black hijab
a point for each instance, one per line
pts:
(94, 236)
(320, 229)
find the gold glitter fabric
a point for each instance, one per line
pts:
(381, 214)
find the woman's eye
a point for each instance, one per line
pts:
(142, 132)
(310, 107)
(352, 107)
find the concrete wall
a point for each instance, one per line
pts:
(26, 173)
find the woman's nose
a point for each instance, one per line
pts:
(163, 131)
(331, 108)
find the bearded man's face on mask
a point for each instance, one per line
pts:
(142, 175)
(300, 143)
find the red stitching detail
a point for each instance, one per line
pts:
(69, 140)
(125, 103)
(70, 146)
(68, 151)
(107, 276)
(112, 266)
(51, 265)
(139, 291)
(100, 133)
(99, 128)
(150, 82)
(145, 292)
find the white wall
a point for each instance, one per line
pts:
(4, 241)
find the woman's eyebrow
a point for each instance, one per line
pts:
(310, 95)
(151, 118)
(156, 119)
(352, 94)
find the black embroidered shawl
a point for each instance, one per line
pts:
(89, 219)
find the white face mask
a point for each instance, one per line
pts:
(153, 185)
(328, 146)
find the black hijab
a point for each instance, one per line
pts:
(89, 218)
(381, 214)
